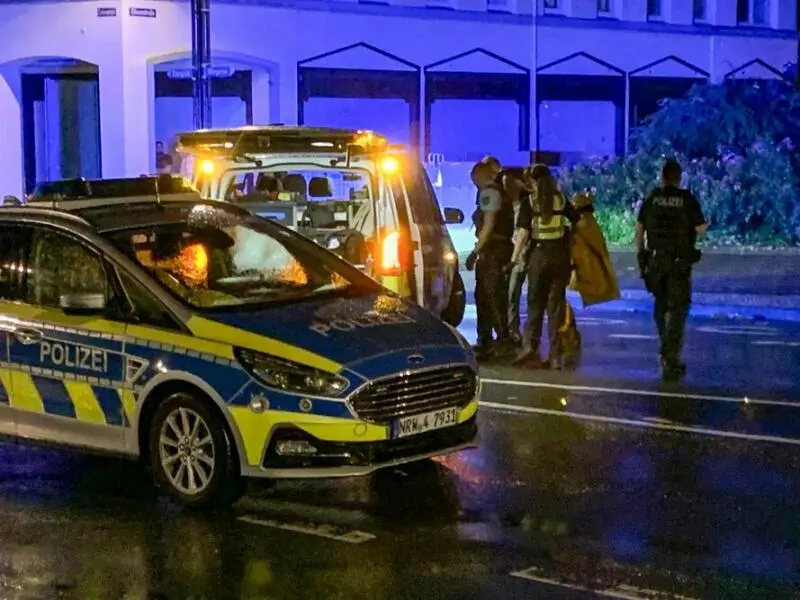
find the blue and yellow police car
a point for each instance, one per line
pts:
(137, 318)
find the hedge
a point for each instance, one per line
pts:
(736, 142)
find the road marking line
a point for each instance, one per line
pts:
(324, 531)
(635, 392)
(623, 592)
(739, 329)
(633, 336)
(775, 343)
(600, 321)
(510, 408)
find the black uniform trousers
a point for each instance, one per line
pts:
(515, 282)
(548, 277)
(669, 279)
(491, 291)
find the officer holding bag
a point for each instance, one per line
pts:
(543, 221)
(667, 228)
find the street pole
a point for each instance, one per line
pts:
(201, 62)
(535, 82)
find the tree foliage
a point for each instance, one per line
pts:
(736, 142)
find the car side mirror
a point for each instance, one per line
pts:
(453, 216)
(82, 304)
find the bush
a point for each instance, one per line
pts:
(736, 143)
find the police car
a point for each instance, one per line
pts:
(214, 345)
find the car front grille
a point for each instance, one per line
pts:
(414, 393)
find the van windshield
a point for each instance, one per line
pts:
(324, 198)
(216, 258)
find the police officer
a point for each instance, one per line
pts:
(667, 227)
(494, 222)
(543, 221)
(517, 189)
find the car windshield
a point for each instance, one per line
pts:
(214, 258)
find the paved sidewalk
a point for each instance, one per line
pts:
(757, 273)
(717, 275)
(754, 285)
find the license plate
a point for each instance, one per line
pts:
(415, 424)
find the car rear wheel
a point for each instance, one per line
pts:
(191, 453)
(456, 305)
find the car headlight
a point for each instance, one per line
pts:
(290, 376)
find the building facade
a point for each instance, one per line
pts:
(89, 87)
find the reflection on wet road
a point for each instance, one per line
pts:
(581, 482)
(551, 498)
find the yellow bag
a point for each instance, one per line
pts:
(593, 277)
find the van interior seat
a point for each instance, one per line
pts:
(320, 187)
(296, 183)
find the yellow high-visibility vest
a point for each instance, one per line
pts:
(556, 226)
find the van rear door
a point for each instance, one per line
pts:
(393, 252)
(425, 225)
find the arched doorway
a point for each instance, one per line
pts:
(580, 107)
(59, 103)
(755, 70)
(667, 78)
(243, 92)
(360, 87)
(486, 91)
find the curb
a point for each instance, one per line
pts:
(702, 303)
(788, 302)
(645, 306)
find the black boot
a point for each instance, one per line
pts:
(671, 368)
(529, 357)
(504, 348)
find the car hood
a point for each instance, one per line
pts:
(349, 331)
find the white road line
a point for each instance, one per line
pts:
(775, 343)
(633, 336)
(324, 531)
(600, 321)
(623, 592)
(635, 392)
(510, 408)
(739, 330)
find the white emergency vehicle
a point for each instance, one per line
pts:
(350, 191)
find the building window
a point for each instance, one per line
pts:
(551, 4)
(752, 12)
(604, 7)
(653, 9)
(699, 10)
(760, 12)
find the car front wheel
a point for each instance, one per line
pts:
(191, 453)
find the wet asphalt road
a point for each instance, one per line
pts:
(602, 479)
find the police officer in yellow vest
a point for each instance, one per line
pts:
(544, 222)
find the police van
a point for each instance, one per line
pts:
(351, 191)
(213, 344)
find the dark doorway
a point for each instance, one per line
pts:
(60, 126)
(384, 101)
(231, 101)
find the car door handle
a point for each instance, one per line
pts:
(28, 336)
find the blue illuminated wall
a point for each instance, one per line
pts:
(457, 81)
